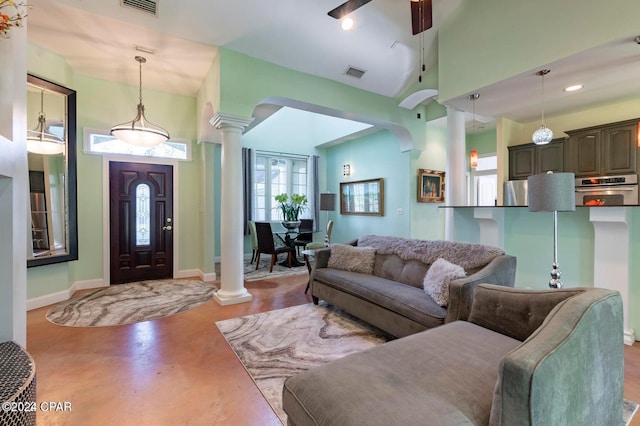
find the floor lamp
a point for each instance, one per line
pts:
(552, 192)
(327, 204)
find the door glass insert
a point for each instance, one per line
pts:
(143, 202)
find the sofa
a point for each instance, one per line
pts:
(382, 279)
(522, 357)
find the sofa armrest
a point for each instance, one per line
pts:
(500, 271)
(570, 370)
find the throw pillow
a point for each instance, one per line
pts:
(353, 259)
(438, 278)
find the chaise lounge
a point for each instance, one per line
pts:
(523, 357)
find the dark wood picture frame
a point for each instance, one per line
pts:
(430, 186)
(363, 197)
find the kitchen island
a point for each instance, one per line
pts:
(597, 247)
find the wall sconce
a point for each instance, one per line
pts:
(473, 158)
(346, 170)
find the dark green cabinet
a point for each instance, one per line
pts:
(604, 150)
(530, 159)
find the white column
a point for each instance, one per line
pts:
(232, 289)
(611, 256)
(455, 179)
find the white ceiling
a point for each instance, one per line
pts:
(98, 37)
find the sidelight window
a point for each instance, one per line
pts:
(143, 214)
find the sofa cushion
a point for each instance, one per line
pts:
(512, 312)
(403, 374)
(392, 267)
(438, 277)
(350, 258)
(406, 300)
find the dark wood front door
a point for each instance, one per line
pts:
(141, 221)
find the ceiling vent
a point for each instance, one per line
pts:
(354, 72)
(147, 6)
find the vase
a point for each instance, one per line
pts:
(290, 225)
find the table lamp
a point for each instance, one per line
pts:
(552, 192)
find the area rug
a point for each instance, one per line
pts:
(131, 303)
(630, 409)
(275, 345)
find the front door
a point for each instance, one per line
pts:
(141, 221)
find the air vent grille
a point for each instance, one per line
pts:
(147, 6)
(354, 72)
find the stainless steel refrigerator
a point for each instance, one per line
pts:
(515, 193)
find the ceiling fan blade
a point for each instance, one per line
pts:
(346, 8)
(421, 18)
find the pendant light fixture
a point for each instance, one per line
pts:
(39, 141)
(473, 155)
(140, 131)
(543, 135)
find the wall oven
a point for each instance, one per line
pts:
(607, 191)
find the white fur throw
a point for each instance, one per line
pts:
(350, 258)
(438, 278)
(469, 256)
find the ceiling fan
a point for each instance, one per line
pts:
(421, 18)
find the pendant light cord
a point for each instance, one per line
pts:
(141, 60)
(542, 73)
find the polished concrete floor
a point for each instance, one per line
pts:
(173, 371)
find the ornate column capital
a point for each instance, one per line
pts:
(221, 120)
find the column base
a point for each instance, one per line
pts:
(225, 298)
(629, 336)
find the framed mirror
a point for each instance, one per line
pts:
(363, 197)
(51, 116)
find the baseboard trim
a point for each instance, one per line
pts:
(61, 296)
(47, 299)
(190, 273)
(629, 336)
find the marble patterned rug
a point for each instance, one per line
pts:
(129, 303)
(275, 345)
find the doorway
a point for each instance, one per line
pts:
(141, 221)
(484, 182)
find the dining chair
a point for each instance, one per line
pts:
(267, 245)
(327, 239)
(305, 234)
(254, 240)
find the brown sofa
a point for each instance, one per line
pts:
(392, 297)
(523, 357)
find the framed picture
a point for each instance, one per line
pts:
(363, 197)
(430, 186)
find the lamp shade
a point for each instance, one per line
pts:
(548, 192)
(327, 202)
(473, 158)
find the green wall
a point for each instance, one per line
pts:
(100, 105)
(371, 157)
(489, 41)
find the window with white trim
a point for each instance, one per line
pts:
(277, 174)
(101, 142)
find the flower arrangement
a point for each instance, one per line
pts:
(291, 209)
(11, 15)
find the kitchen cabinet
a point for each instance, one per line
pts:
(530, 159)
(603, 150)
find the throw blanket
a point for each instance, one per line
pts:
(469, 256)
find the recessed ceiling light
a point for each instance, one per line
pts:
(347, 23)
(573, 88)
